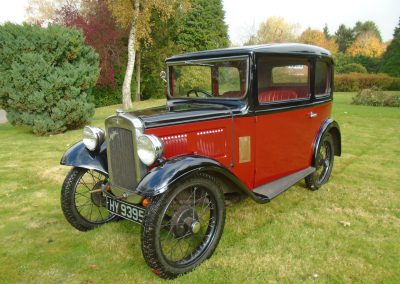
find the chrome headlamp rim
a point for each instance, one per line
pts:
(93, 137)
(157, 148)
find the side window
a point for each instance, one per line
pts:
(185, 77)
(229, 81)
(281, 80)
(322, 79)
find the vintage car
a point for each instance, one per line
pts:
(252, 121)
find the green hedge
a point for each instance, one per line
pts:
(355, 82)
(46, 77)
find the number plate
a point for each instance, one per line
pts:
(125, 210)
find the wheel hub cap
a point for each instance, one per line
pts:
(196, 227)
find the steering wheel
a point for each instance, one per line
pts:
(198, 90)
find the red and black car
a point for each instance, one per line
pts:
(251, 120)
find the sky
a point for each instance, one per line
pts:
(243, 17)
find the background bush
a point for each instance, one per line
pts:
(395, 86)
(46, 77)
(354, 68)
(355, 82)
(370, 63)
(375, 97)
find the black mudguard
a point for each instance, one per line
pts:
(79, 156)
(332, 127)
(160, 178)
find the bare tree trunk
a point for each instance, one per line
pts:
(138, 73)
(126, 87)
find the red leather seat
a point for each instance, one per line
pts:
(276, 95)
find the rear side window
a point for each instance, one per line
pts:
(281, 80)
(322, 79)
(290, 74)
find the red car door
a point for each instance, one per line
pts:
(285, 122)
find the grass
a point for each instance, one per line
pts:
(299, 237)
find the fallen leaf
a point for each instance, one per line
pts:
(345, 223)
(315, 275)
(93, 266)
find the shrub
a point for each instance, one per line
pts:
(106, 96)
(353, 68)
(395, 85)
(370, 63)
(375, 97)
(355, 82)
(46, 77)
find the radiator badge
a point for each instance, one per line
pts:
(113, 134)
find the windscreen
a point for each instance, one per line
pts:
(209, 79)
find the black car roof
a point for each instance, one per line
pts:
(277, 48)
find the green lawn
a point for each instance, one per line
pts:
(298, 237)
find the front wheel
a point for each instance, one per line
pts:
(82, 201)
(324, 164)
(182, 227)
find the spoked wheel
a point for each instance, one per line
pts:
(182, 227)
(324, 164)
(82, 202)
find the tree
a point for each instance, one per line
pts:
(366, 44)
(318, 38)
(42, 11)
(344, 37)
(274, 29)
(164, 44)
(100, 31)
(391, 58)
(135, 15)
(46, 77)
(203, 27)
(367, 27)
(326, 32)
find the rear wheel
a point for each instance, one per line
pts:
(82, 201)
(182, 227)
(324, 164)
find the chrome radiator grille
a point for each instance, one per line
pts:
(122, 158)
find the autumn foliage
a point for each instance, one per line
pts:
(317, 37)
(273, 30)
(366, 44)
(100, 32)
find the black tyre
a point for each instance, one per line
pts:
(324, 164)
(182, 227)
(82, 203)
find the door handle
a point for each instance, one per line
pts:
(312, 114)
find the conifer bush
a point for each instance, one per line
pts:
(46, 77)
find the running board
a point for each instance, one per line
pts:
(270, 190)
